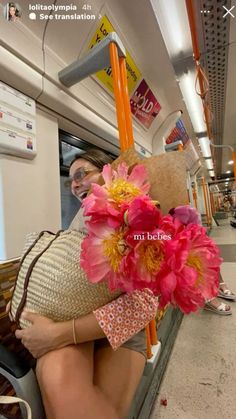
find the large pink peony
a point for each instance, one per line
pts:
(132, 246)
(119, 187)
(146, 257)
(108, 203)
(122, 187)
(101, 254)
(142, 214)
(97, 206)
(170, 225)
(186, 215)
(191, 272)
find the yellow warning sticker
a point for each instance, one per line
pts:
(105, 76)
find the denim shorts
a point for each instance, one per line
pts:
(136, 343)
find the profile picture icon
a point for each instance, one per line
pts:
(12, 11)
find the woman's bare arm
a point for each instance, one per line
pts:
(129, 312)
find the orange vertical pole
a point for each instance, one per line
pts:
(120, 110)
(208, 204)
(205, 201)
(189, 201)
(194, 196)
(213, 210)
(234, 160)
(125, 93)
(180, 147)
(148, 340)
(219, 202)
(153, 332)
(193, 28)
(125, 128)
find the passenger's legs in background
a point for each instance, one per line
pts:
(225, 292)
(217, 306)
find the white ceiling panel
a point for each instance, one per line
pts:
(63, 41)
(145, 44)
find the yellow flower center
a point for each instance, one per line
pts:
(194, 261)
(151, 255)
(120, 190)
(114, 248)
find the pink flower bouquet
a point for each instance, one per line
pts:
(131, 245)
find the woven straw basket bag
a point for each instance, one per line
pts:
(50, 281)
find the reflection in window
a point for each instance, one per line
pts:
(69, 204)
(69, 152)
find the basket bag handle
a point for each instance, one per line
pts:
(11, 400)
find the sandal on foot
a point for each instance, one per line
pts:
(227, 294)
(221, 309)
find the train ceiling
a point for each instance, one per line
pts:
(141, 26)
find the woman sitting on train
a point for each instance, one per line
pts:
(90, 379)
(79, 372)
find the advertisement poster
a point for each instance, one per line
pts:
(144, 105)
(179, 133)
(105, 76)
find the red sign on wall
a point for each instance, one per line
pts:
(144, 105)
(179, 133)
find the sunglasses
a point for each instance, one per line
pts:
(78, 176)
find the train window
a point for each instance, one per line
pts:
(69, 146)
(68, 153)
(70, 205)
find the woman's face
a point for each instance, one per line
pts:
(82, 175)
(12, 11)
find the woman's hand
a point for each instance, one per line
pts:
(8, 306)
(44, 335)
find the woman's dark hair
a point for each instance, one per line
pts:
(16, 10)
(97, 157)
